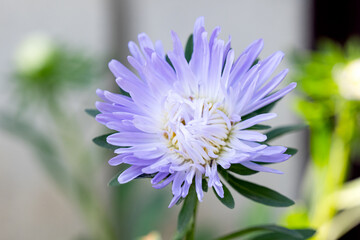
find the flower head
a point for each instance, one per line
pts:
(182, 121)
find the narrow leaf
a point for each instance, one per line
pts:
(204, 185)
(113, 181)
(92, 112)
(291, 234)
(255, 62)
(189, 48)
(125, 93)
(305, 233)
(259, 193)
(180, 201)
(262, 110)
(169, 61)
(187, 211)
(241, 170)
(101, 141)
(228, 199)
(259, 127)
(291, 151)
(277, 132)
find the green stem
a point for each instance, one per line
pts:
(81, 162)
(190, 235)
(331, 177)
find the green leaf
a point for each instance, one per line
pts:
(125, 93)
(306, 233)
(277, 132)
(189, 48)
(262, 110)
(180, 201)
(146, 176)
(113, 181)
(169, 61)
(291, 234)
(228, 199)
(291, 151)
(92, 112)
(255, 62)
(186, 211)
(204, 185)
(101, 141)
(241, 170)
(259, 127)
(258, 193)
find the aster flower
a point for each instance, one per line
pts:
(185, 120)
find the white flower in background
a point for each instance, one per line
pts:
(348, 79)
(34, 53)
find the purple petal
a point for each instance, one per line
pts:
(130, 174)
(260, 168)
(255, 120)
(268, 66)
(250, 136)
(131, 138)
(270, 99)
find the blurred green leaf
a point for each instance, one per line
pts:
(228, 199)
(42, 144)
(258, 193)
(92, 112)
(113, 181)
(282, 231)
(277, 132)
(305, 233)
(187, 211)
(101, 141)
(189, 48)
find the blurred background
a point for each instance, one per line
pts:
(54, 54)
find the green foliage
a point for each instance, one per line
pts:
(257, 193)
(62, 68)
(241, 170)
(189, 48)
(305, 233)
(204, 185)
(228, 199)
(262, 110)
(277, 132)
(101, 142)
(291, 151)
(259, 127)
(169, 61)
(92, 112)
(277, 232)
(41, 143)
(187, 212)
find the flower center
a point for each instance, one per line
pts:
(195, 129)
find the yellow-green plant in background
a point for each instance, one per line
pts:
(329, 85)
